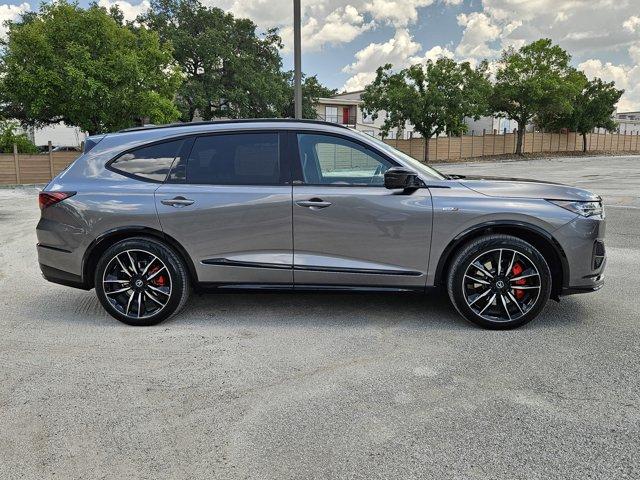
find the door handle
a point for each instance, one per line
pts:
(314, 203)
(177, 202)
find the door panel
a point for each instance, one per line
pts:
(233, 234)
(231, 208)
(350, 230)
(368, 236)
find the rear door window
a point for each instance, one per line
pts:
(149, 163)
(236, 159)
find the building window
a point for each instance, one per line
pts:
(331, 114)
(367, 118)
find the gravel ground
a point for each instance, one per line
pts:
(277, 386)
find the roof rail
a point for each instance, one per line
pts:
(233, 121)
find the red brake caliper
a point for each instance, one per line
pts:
(517, 270)
(158, 281)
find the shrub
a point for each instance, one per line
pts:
(9, 137)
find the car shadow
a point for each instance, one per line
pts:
(431, 310)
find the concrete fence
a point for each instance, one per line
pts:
(471, 146)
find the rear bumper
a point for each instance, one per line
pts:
(61, 277)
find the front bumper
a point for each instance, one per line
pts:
(582, 240)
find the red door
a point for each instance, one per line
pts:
(345, 115)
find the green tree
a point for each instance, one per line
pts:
(593, 107)
(229, 71)
(86, 68)
(535, 80)
(9, 137)
(434, 97)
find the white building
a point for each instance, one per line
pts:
(59, 134)
(628, 122)
(346, 109)
(489, 124)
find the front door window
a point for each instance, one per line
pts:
(330, 160)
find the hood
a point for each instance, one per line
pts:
(523, 188)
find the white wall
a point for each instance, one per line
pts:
(59, 134)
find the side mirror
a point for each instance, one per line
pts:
(401, 178)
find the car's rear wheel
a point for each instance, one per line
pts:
(499, 282)
(141, 281)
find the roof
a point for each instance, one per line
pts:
(338, 101)
(234, 121)
(348, 93)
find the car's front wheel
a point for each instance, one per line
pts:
(499, 282)
(140, 281)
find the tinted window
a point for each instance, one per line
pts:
(152, 162)
(235, 159)
(329, 160)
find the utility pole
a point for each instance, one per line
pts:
(297, 60)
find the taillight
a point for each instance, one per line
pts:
(46, 199)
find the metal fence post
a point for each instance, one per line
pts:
(493, 149)
(484, 136)
(533, 141)
(50, 159)
(472, 142)
(16, 162)
(436, 154)
(624, 143)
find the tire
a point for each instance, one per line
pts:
(157, 289)
(499, 300)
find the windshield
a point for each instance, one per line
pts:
(419, 166)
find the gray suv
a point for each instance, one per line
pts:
(146, 215)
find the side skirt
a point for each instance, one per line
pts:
(280, 288)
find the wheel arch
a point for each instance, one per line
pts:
(548, 246)
(100, 244)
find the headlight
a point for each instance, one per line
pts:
(586, 209)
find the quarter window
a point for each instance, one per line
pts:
(235, 159)
(150, 163)
(329, 160)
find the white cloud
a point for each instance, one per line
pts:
(358, 81)
(341, 26)
(634, 53)
(396, 12)
(580, 26)
(11, 13)
(589, 29)
(479, 31)
(129, 10)
(432, 54)
(632, 23)
(400, 51)
(624, 76)
(396, 51)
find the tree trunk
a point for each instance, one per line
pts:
(584, 141)
(520, 136)
(426, 148)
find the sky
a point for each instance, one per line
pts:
(344, 41)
